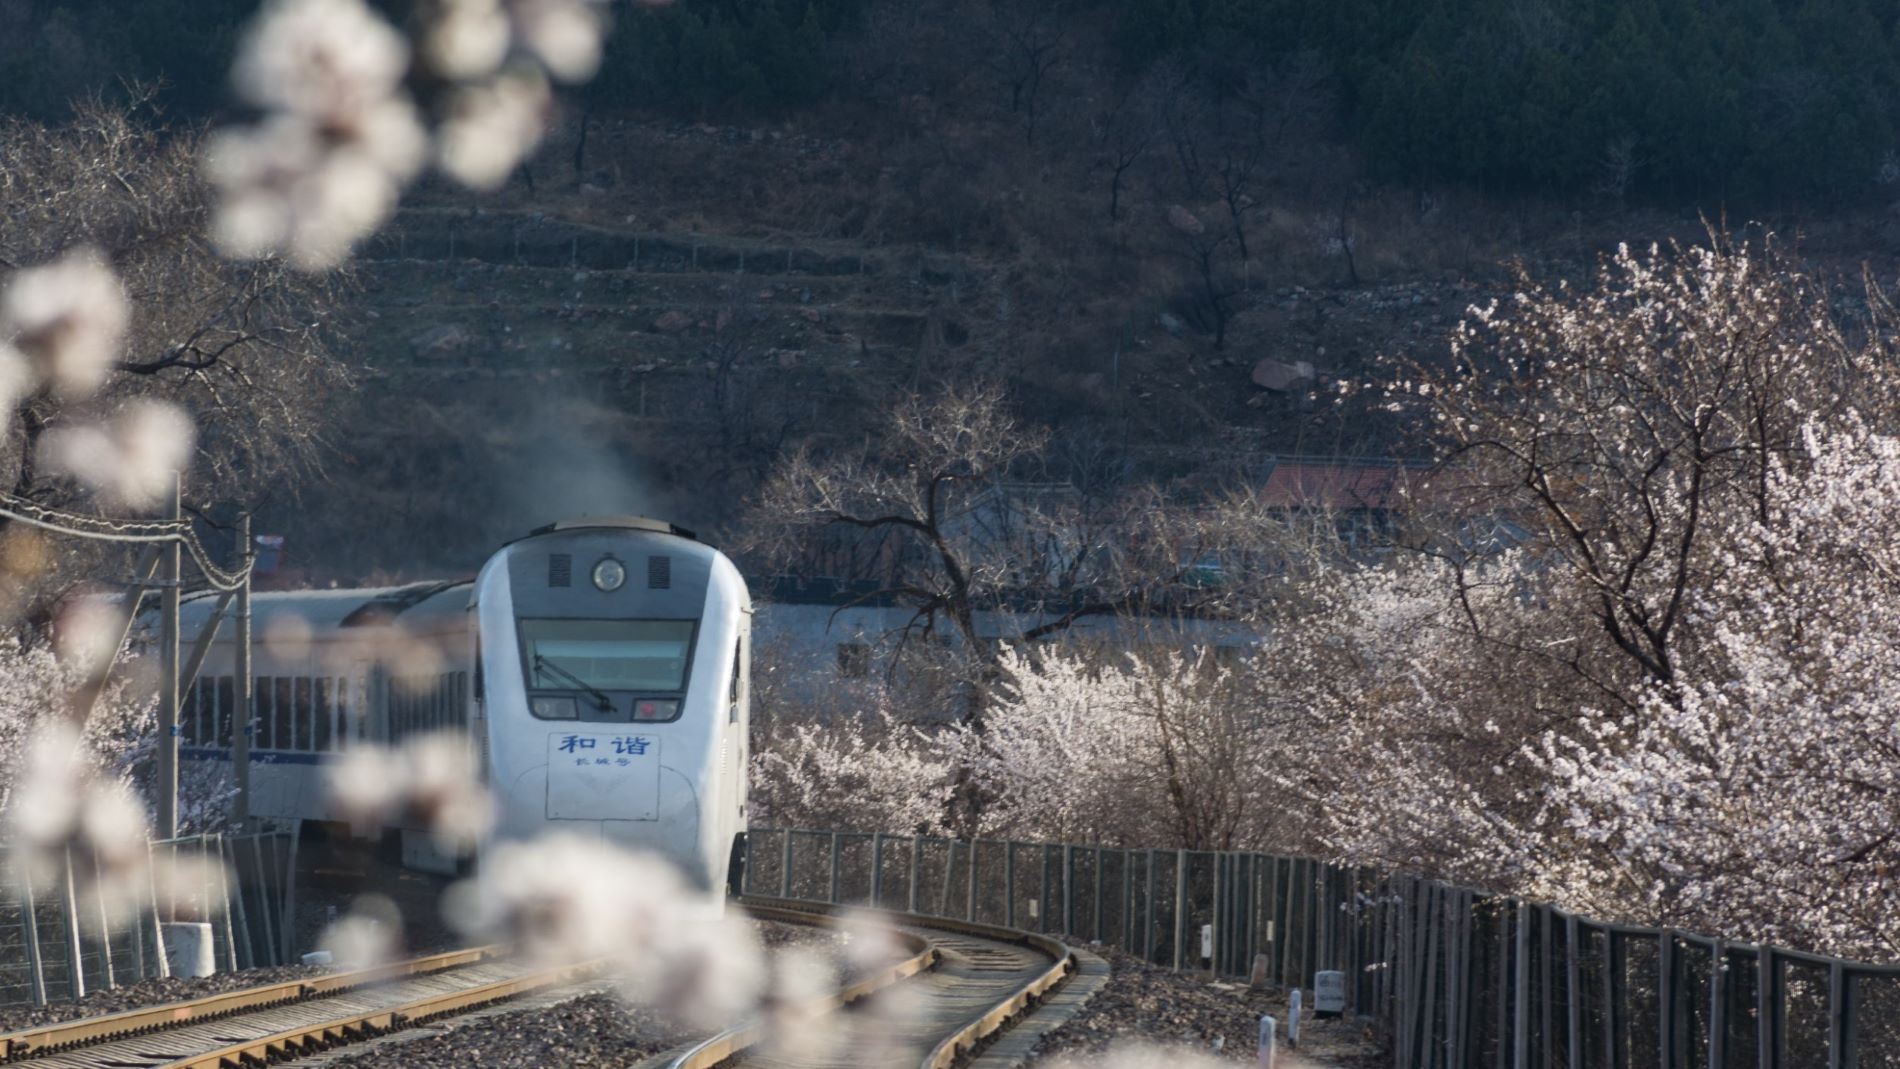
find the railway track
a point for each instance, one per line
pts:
(968, 982)
(972, 982)
(259, 1025)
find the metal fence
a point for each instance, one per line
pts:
(1459, 978)
(57, 940)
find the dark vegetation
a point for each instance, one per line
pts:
(1756, 100)
(1167, 228)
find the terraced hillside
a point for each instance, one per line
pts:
(515, 366)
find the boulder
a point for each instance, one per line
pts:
(1273, 375)
(443, 340)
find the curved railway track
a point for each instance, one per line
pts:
(972, 982)
(969, 982)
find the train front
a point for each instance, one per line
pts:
(612, 689)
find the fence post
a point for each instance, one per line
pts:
(1433, 917)
(105, 925)
(785, 865)
(969, 904)
(76, 965)
(289, 928)
(1180, 905)
(1840, 1009)
(158, 929)
(224, 889)
(1767, 1008)
(1574, 1002)
(1098, 895)
(1127, 900)
(1521, 1006)
(243, 697)
(1148, 914)
(36, 965)
(1216, 916)
(267, 915)
(877, 870)
(1068, 889)
(167, 773)
(1009, 884)
(834, 869)
(1666, 996)
(242, 944)
(1042, 893)
(916, 867)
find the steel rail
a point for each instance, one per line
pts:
(724, 1046)
(323, 1035)
(85, 1031)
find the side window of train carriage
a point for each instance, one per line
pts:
(325, 709)
(265, 714)
(284, 708)
(227, 709)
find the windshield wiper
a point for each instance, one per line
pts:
(542, 664)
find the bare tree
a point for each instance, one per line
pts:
(1203, 248)
(1124, 135)
(940, 508)
(1630, 431)
(243, 348)
(1030, 42)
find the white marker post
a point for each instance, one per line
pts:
(1293, 1019)
(1264, 1060)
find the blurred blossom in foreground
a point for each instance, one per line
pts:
(368, 936)
(60, 811)
(492, 127)
(1155, 1056)
(339, 138)
(799, 1028)
(285, 189)
(433, 778)
(128, 461)
(876, 1032)
(329, 60)
(466, 39)
(565, 898)
(61, 324)
(86, 633)
(565, 35)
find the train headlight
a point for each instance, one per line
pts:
(553, 708)
(655, 710)
(609, 574)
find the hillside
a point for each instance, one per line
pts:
(1172, 229)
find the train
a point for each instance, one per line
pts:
(599, 667)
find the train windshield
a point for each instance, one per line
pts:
(643, 655)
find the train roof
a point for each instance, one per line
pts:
(625, 523)
(419, 607)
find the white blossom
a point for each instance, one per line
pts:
(492, 127)
(128, 460)
(62, 324)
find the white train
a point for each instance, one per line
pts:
(600, 665)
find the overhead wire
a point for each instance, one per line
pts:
(102, 529)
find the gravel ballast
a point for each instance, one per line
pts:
(1151, 1004)
(148, 993)
(592, 1031)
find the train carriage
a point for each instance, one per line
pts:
(599, 666)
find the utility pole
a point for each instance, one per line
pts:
(241, 716)
(173, 566)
